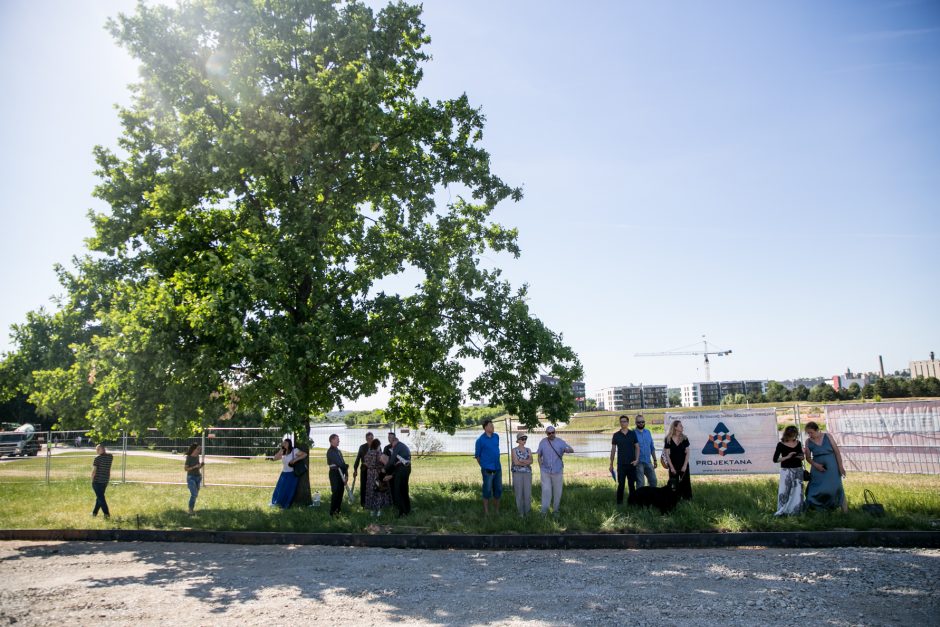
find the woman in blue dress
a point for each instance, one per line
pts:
(287, 481)
(824, 490)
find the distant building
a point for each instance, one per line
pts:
(577, 388)
(843, 381)
(630, 397)
(926, 368)
(704, 393)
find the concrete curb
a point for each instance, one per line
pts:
(794, 539)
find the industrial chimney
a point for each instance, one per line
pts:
(881, 366)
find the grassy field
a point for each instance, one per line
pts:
(720, 505)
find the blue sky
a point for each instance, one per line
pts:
(764, 173)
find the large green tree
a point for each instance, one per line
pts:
(276, 239)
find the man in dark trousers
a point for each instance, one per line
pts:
(398, 470)
(338, 474)
(363, 482)
(627, 448)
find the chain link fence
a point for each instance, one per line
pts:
(244, 456)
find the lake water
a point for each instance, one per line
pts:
(584, 444)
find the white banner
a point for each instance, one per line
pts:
(730, 442)
(888, 437)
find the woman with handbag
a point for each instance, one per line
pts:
(789, 454)
(287, 481)
(826, 471)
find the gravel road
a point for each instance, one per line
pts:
(212, 584)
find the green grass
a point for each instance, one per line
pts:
(721, 505)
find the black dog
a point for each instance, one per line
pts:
(664, 499)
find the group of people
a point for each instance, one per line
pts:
(384, 473)
(633, 449)
(824, 487)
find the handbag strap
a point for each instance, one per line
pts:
(869, 493)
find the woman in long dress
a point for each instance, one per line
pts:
(824, 490)
(789, 454)
(377, 492)
(287, 482)
(676, 455)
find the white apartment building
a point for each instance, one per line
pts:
(630, 397)
(706, 393)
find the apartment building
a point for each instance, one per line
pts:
(630, 397)
(705, 393)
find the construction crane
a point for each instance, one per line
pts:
(705, 353)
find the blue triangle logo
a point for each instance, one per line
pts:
(722, 442)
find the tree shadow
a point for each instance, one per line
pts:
(474, 587)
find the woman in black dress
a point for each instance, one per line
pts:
(676, 454)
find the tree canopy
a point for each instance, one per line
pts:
(276, 239)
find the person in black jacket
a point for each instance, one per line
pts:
(364, 481)
(398, 471)
(338, 475)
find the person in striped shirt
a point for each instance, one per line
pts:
(100, 475)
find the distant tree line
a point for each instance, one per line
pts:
(888, 387)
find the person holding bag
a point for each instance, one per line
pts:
(552, 468)
(522, 475)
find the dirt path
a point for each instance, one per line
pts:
(208, 584)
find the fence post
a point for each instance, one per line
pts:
(48, 456)
(509, 447)
(203, 447)
(124, 456)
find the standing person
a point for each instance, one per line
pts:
(100, 476)
(301, 469)
(363, 449)
(487, 456)
(676, 454)
(377, 491)
(522, 475)
(192, 466)
(552, 468)
(789, 454)
(338, 475)
(624, 444)
(646, 467)
(287, 481)
(824, 490)
(398, 472)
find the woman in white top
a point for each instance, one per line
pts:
(287, 482)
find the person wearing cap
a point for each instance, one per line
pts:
(646, 466)
(551, 467)
(522, 474)
(487, 456)
(625, 446)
